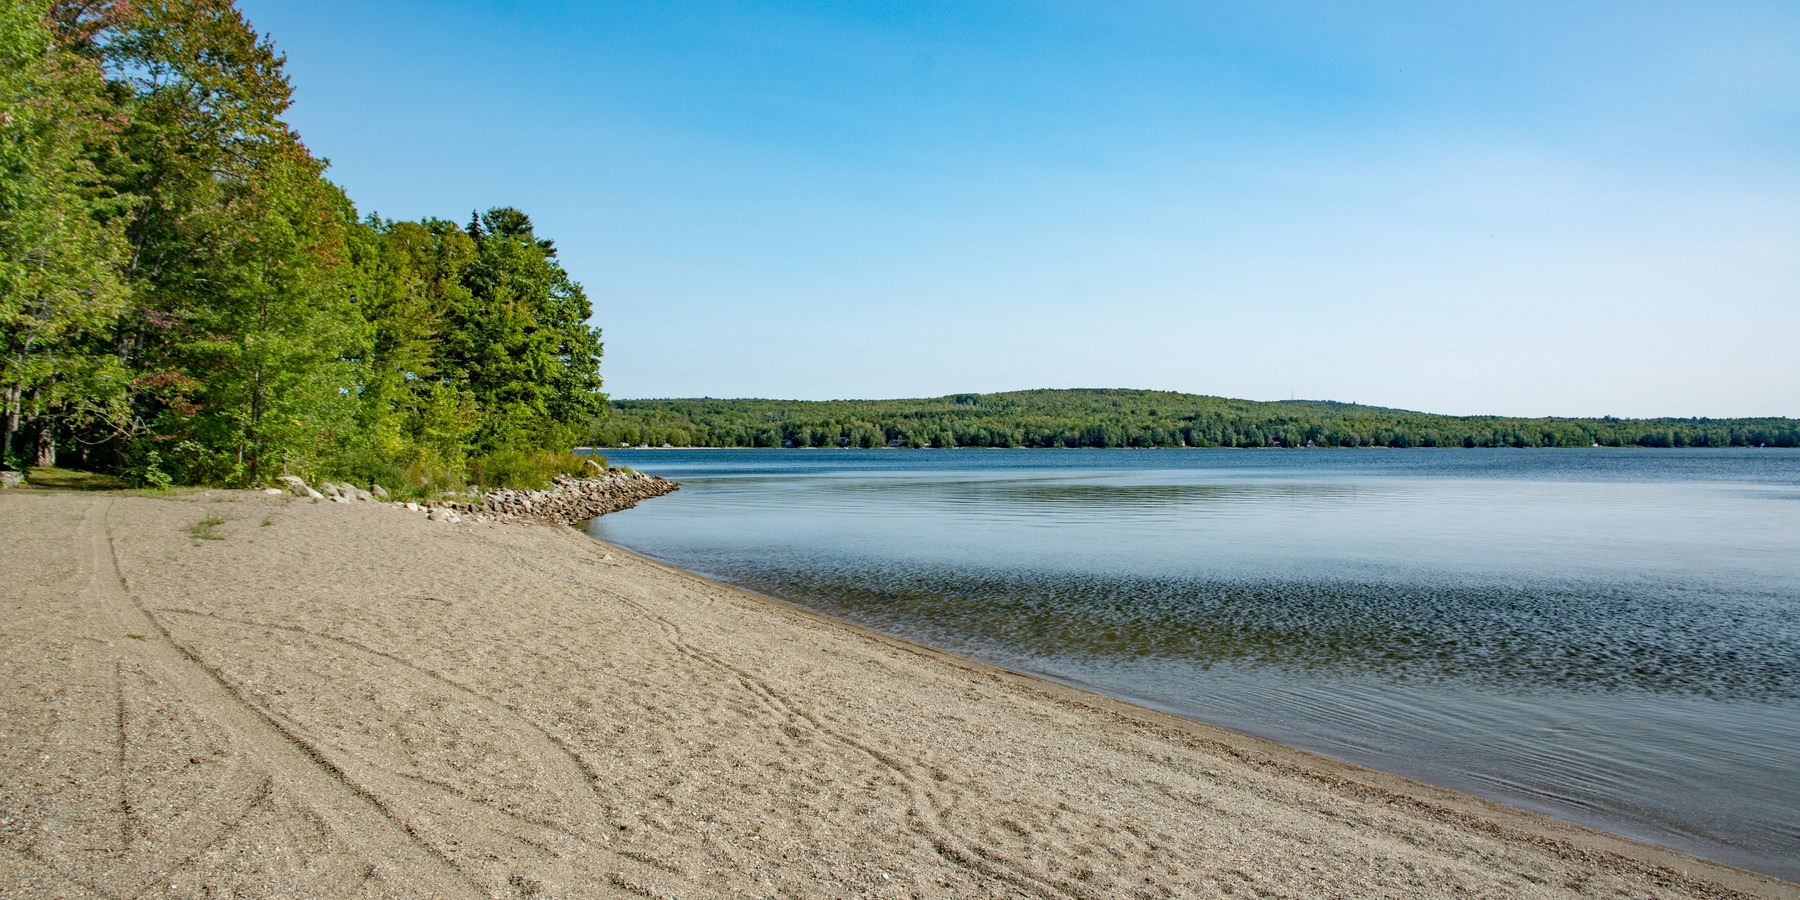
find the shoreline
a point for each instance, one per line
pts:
(1298, 761)
(395, 704)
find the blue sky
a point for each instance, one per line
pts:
(1513, 208)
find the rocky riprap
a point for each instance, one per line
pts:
(565, 502)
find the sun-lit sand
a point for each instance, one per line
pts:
(328, 700)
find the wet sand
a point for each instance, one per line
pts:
(328, 700)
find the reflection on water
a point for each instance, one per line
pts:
(1609, 636)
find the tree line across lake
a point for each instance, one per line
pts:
(185, 298)
(1136, 418)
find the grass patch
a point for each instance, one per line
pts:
(527, 470)
(59, 479)
(203, 529)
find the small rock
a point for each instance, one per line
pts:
(296, 486)
(274, 492)
(413, 507)
(379, 491)
(313, 494)
(439, 515)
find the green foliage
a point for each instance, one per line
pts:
(480, 343)
(144, 467)
(422, 480)
(61, 247)
(519, 340)
(240, 323)
(1132, 418)
(184, 298)
(528, 470)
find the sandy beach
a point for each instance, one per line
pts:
(346, 700)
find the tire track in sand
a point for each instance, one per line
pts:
(572, 778)
(357, 815)
(929, 808)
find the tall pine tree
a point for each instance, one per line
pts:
(521, 342)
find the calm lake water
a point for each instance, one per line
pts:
(1606, 636)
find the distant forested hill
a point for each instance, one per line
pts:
(1133, 418)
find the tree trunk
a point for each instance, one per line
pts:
(11, 423)
(46, 443)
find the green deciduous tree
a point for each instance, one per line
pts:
(61, 246)
(240, 328)
(182, 288)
